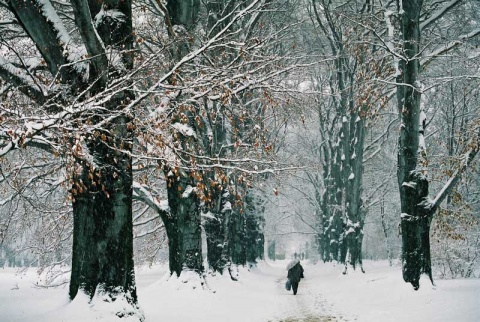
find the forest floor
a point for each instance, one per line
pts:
(325, 295)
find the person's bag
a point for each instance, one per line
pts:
(288, 285)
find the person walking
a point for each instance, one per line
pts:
(295, 273)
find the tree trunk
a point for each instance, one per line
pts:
(413, 184)
(323, 237)
(355, 211)
(102, 256)
(254, 224)
(183, 12)
(224, 228)
(219, 205)
(216, 232)
(215, 235)
(336, 224)
(385, 232)
(271, 250)
(183, 227)
(236, 237)
(103, 233)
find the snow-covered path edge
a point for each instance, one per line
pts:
(259, 296)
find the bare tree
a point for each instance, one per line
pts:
(416, 207)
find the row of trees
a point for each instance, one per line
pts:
(108, 107)
(110, 104)
(373, 54)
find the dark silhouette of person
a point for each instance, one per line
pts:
(295, 273)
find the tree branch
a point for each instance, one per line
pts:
(18, 78)
(447, 47)
(467, 159)
(141, 193)
(41, 22)
(90, 37)
(439, 14)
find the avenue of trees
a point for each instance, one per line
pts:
(205, 130)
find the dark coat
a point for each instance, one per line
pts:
(295, 273)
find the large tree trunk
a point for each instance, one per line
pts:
(354, 205)
(103, 233)
(413, 184)
(102, 256)
(215, 226)
(254, 224)
(236, 236)
(183, 227)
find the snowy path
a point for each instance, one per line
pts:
(325, 295)
(309, 305)
(306, 306)
(258, 296)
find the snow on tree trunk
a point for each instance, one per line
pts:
(102, 256)
(323, 239)
(183, 226)
(254, 224)
(416, 216)
(332, 222)
(354, 204)
(215, 226)
(236, 237)
(219, 205)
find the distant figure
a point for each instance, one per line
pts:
(295, 255)
(295, 273)
(303, 256)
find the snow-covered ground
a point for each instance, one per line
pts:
(324, 295)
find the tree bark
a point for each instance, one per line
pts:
(236, 236)
(413, 184)
(183, 12)
(102, 256)
(33, 16)
(254, 224)
(216, 230)
(183, 227)
(354, 188)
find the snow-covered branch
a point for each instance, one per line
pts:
(192, 55)
(93, 42)
(23, 81)
(142, 193)
(427, 58)
(439, 13)
(466, 159)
